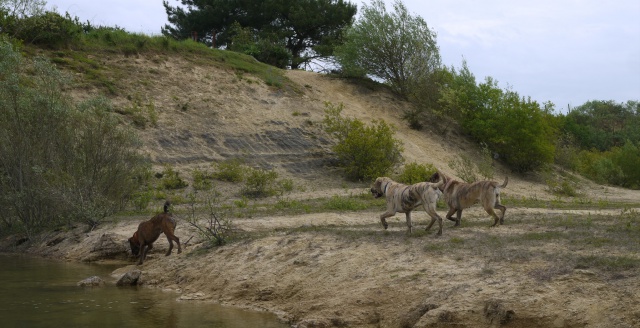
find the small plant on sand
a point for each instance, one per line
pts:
(214, 228)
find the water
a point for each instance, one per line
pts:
(36, 292)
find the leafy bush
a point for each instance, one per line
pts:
(232, 170)
(414, 173)
(260, 183)
(517, 129)
(604, 124)
(364, 152)
(619, 166)
(562, 186)
(61, 162)
(171, 179)
(48, 29)
(201, 180)
(345, 203)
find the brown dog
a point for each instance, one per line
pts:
(404, 199)
(461, 195)
(148, 232)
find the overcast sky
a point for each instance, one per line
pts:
(564, 51)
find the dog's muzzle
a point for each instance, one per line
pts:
(375, 193)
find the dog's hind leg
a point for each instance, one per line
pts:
(450, 213)
(503, 209)
(493, 214)
(434, 217)
(458, 218)
(171, 238)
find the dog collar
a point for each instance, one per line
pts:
(385, 188)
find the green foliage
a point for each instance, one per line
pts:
(232, 170)
(246, 41)
(59, 162)
(604, 124)
(364, 152)
(307, 29)
(619, 166)
(517, 129)
(260, 183)
(27, 21)
(141, 113)
(562, 186)
(396, 47)
(202, 180)
(171, 179)
(414, 173)
(342, 203)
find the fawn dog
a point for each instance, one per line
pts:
(404, 199)
(460, 195)
(148, 232)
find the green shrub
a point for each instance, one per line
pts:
(232, 170)
(62, 162)
(48, 29)
(414, 173)
(201, 180)
(364, 152)
(562, 187)
(343, 203)
(171, 179)
(260, 183)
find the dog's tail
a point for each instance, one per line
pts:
(504, 184)
(439, 185)
(166, 206)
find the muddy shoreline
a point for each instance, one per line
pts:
(343, 270)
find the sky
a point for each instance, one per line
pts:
(567, 52)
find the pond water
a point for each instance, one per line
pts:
(36, 292)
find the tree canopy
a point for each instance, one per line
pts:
(307, 29)
(396, 47)
(604, 124)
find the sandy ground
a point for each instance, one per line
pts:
(341, 269)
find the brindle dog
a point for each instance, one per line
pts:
(461, 195)
(149, 231)
(404, 199)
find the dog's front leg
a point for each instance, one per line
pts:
(143, 255)
(383, 219)
(409, 225)
(143, 252)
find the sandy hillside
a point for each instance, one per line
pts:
(340, 269)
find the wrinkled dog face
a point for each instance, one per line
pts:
(376, 189)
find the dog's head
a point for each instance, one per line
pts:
(135, 245)
(439, 177)
(377, 187)
(435, 177)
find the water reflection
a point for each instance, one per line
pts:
(40, 293)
